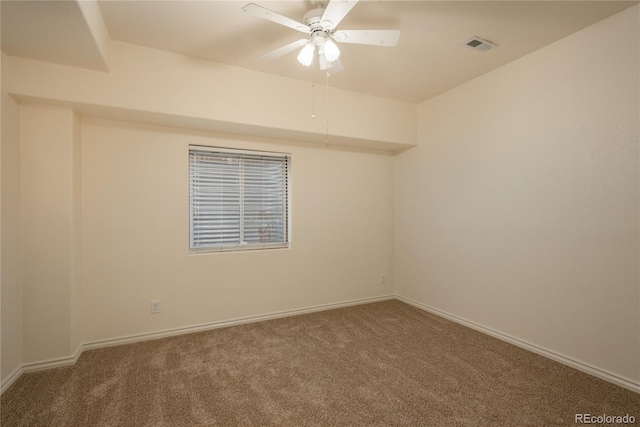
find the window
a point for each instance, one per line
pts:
(238, 199)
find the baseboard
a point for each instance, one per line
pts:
(71, 360)
(12, 378)
(53, 363)
(231, 322)
(550, 354)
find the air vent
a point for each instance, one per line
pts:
(477, 43)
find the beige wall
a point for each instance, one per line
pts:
(47, 191)
(11, 291)
(519, 209)
(135, 219)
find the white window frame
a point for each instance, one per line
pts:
(240, 154)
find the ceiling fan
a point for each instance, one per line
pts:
(320, 29)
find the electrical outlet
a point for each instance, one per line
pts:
(383, 279)
(155, 307)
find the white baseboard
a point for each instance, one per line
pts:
(70, 360)
(13, 376)
(550, 354)
(53, 363)
(231, 322)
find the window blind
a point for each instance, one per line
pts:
(238, 200)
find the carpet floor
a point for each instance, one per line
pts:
(381, 364)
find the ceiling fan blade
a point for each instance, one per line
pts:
(335, 12)
(264, 13)
(387, 38)
(283, 50)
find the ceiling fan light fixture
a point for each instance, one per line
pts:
(322, 61)
(331, 51)
(305, 57)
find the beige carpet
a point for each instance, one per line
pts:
(382, 364)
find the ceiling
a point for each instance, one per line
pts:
(430, 58)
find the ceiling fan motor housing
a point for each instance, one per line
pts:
(319, 30)
(313, 19)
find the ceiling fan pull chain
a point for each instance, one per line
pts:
(313, 97)
(326, 141)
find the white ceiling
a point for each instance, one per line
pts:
(430, 57)
(64, 32)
